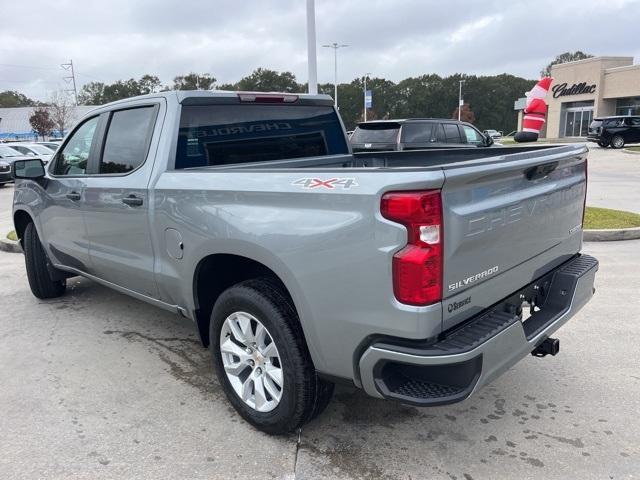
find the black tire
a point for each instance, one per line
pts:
(304, 394)
(42, 286)
(617, 141)
(603, 144)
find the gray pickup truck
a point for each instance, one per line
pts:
(417, 276)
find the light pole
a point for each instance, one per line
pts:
(335, 47)
(365, 95)
(460, 99)
(311, 47)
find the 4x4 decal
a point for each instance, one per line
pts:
(329, 184)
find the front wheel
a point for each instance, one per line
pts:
(37, 263)
(261, 358)
(617, 141)
(603, 144)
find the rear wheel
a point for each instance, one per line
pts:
(261, 359)
(37, 263)
(617, 141)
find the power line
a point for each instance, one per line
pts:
(69, 68)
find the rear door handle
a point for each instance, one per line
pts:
(75, 196)
(132, 201)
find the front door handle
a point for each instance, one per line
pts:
(132, 201)
(75, 196)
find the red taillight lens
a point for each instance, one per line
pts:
(417, 268)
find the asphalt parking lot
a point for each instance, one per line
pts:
(98, 385)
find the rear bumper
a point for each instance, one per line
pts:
(469, 357)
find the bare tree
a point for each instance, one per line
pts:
(62, 111)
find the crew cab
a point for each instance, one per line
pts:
(417, 276)
(416, 134)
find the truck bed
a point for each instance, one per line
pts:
(420, 159)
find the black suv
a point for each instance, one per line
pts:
(416, 134)
(614, 131)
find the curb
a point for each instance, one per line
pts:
(7, 245)
(630, 152)
(611, 235)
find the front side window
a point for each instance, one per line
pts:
(73, 158)
(126, 144)
(472, 135)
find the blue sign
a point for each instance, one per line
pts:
(368, 99)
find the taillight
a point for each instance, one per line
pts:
(417, 268)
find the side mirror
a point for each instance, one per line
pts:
(488, 140)
(28, 169)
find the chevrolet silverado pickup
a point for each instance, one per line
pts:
(416, 276)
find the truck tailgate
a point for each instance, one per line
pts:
(507, 221)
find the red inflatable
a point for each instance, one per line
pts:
(535, 112)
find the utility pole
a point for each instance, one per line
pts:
(460, 99)
(335, 47)
(69, 68)
(312, 60)
(365, 95)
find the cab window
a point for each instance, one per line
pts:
(73, 158)
(472, 135)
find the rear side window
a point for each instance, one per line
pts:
(376, 133)
(235, 134)
(452, 133)
(416, 132)
(127, 141)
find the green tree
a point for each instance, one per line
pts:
(564, 58)
(265, 80)
(41, 121)
(149, 84)
(11, 98)
(92, 93)
(194, 81)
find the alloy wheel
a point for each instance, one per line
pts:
(251, 361)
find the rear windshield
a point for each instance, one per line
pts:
(376, 133)
(234, 134)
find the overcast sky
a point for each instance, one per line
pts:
(120, 39)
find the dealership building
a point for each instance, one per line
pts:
(582, 90)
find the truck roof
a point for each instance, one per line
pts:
(209, 97)
(409, 120)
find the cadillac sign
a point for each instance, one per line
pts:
(561, 90)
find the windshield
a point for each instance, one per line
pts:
(376, 133)
(8, 152)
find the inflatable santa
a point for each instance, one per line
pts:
(535, 112)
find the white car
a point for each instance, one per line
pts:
(32, 150)
(496, 135)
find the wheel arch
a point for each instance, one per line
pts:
(208, 284)
(21, 219)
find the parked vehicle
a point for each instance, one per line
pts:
(614, 131)
(496, 135)
(32, 149)
(53, 146)
(416, 134)
(405, 274)
(7, 156)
